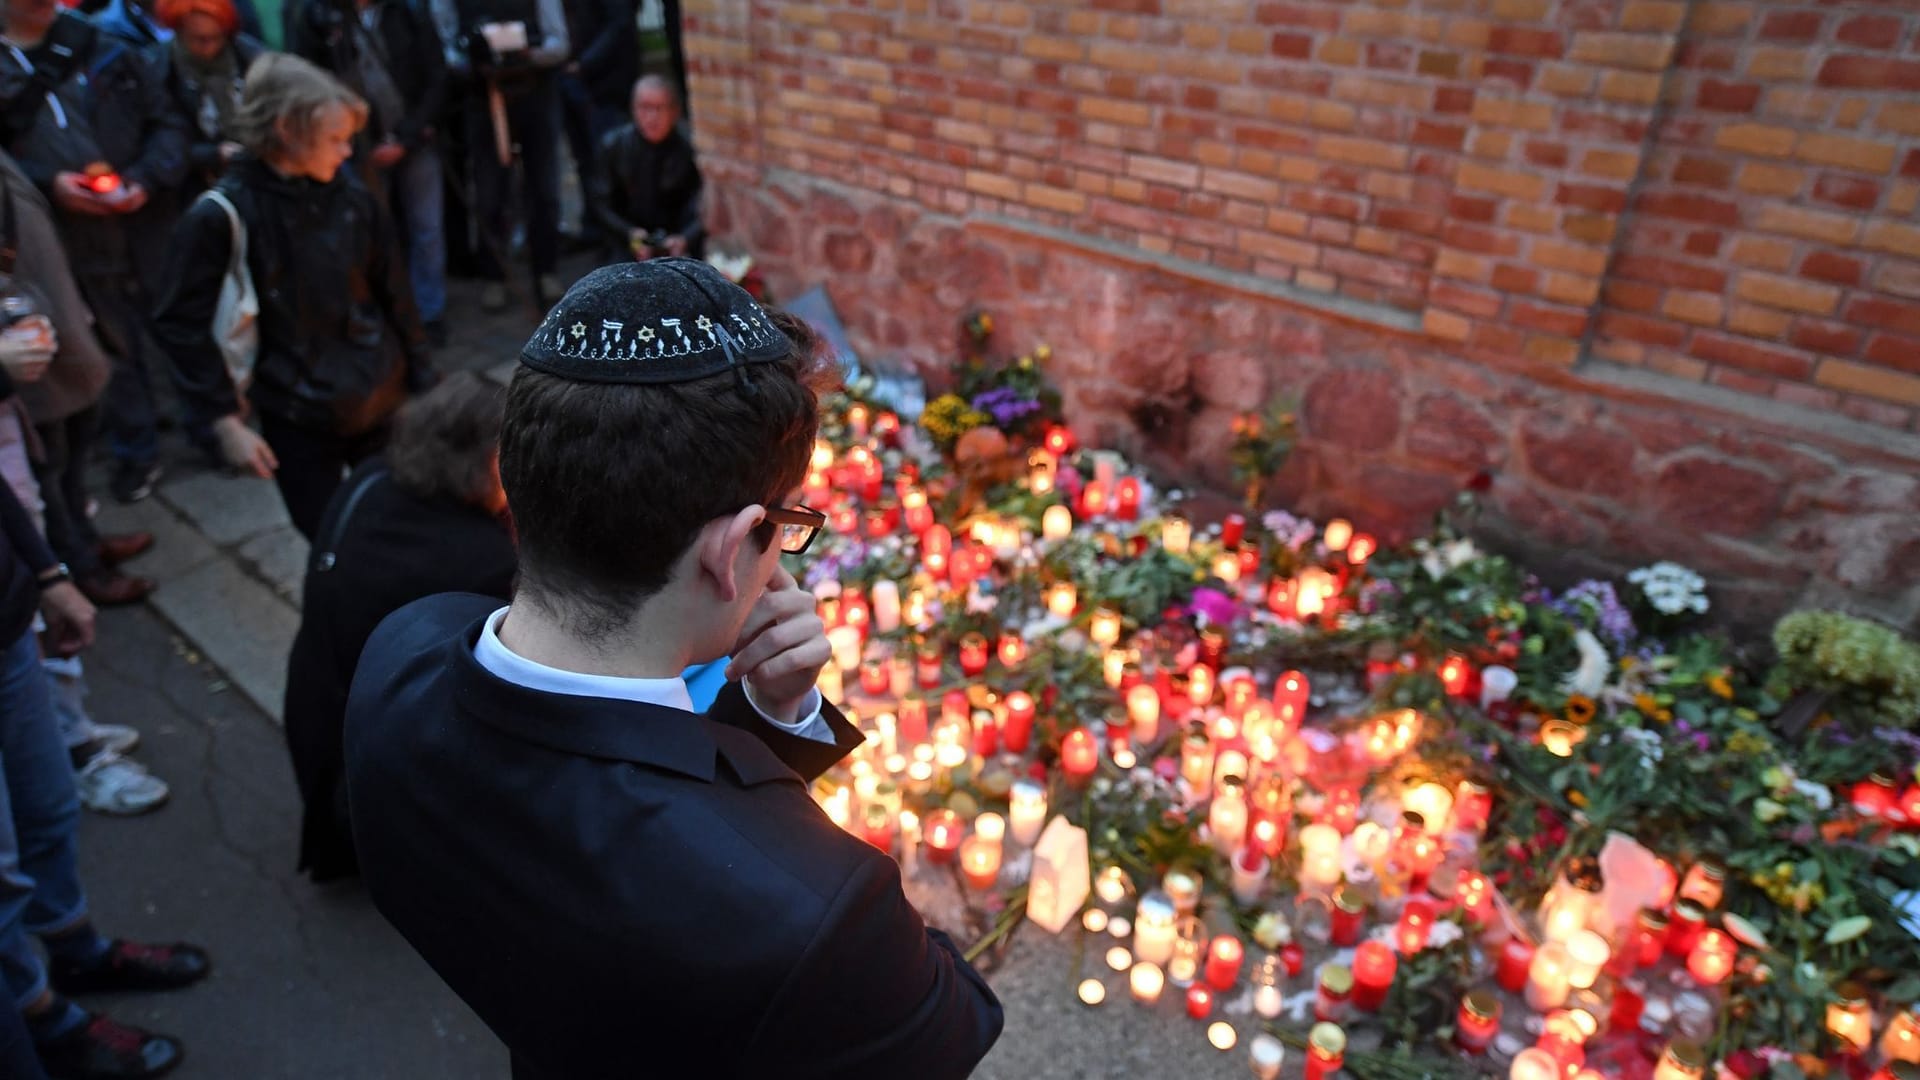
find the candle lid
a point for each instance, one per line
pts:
(1851, 993)
(1337, 979)
(1328, 1038)
(1688, 910)
(1904, 1070)
(1653, 919)
(1687, 1055)
(1349, 900)
(1482, 1005)
(1155, 906)
(1712, 870)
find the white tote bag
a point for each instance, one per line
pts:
(236, 321)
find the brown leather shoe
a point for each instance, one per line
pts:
(111, 588)
(116, 549)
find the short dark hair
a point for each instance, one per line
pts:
(444, 441)
(608, 483)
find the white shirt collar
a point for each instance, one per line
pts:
(494, 655)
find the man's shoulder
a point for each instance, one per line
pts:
(419, 630)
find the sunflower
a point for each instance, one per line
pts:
(1580, 709)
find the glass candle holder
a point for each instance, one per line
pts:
(1705, 884)
(1850, 1018)
(1374, 966)
(1516, 957)
(1478, 1021)
(1902, 1039)
(1682, 1061)
(1348, 916)
(1711, 960)
(1588, 953)
(941, 830)
(1155, 926)
(1224, 958)
(1146, 980)
(1335, 993)
(1268, 980)
(1683, 927)
(1547, 983)
(1650, 936)
(1189, 947)
(1326, 1050)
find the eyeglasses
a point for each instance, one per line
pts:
(798, 526)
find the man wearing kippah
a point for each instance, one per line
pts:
(617, 885)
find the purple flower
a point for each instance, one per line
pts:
(1214, 606)
(1005, 405)
(1595, 605)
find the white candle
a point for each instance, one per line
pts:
(1248, 884)
(1319, 857)
(1147, 980)
(1153, 928)
(1104, 627)
(1092, 991)
(1266, 1054)
(1338, 535)
(1176, 534)
(1026, 811)
(1222, 1035)
(1119, 959)
(1268, 1001)
(1433, 803)
(1227, 819)
(1113, 666)
(1062, 599)
(1587, 953)
(1143, 709)
(990, 827)
(885, 605)
(845, 641)
(1547, 982)
(1056, 523)
(1094, 920)
(1496, 684)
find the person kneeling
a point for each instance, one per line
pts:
(645, 191)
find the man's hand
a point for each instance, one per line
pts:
(69, 619)
(27, 347)
(243, 448)
(388, 154)
(71, 193)
(782, 649)
(128, 199)
(676, 245)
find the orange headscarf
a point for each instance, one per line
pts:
(171, 13)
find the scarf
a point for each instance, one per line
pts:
(219, 84)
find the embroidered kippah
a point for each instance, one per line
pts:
(659, 321)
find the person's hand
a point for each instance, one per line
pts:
(388, 154)
(71, 193)
(243, 447)
(676, 245)
(782, 649)
(69, 617)
(229, 151)
(128, 199)
(27, 347)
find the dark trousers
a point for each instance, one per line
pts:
(127, 410)
(677, 53)
(533, 119)
(586, 122)
(312, 465)
(63, 487)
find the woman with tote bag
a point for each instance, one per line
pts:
(337, 342)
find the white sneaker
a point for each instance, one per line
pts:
(112, 784)
(118, 738)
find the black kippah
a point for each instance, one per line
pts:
(660, 321)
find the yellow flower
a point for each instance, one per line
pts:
(1580, 709)
(1043, 353)
(1576, 798)
(1718, 683)
(1645, 703)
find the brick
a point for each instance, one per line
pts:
(1344, 52)
(1771, 62)
(1798, 103)
(1704, 243)
(1660, 15)
(1758, 321)
(1240, 185)
(1721, 96)
(1113, 111)
(1854, 71)
(1614, 324)
(1846, 151)
(1706, 171)
(1894, 351)
(1762, 178)
(1743, 354)
(1644, 52)
(1872, 381)
(1831, 266)
(1852, 110)
(1763, 252)
(1295, 252)
(1361, 152)
(1806, 224)
(1702, 309)
(1566, 322)
(1547, 155)
(1522, 185)
(1446, 325)
(1526, 41)
(1833, 339)
(1892, 237)
(1690, 206)
(1509, 278)
(1677, 273)
(1459, 264)
(1762, 139)
(1630, 87)
(1590, 228)
(1053, 198)
(1571, 289)
(1531, 218)
(1569, 257)
(1886, 314)
(1900, 277)
(1912, 166)
(1287, 222)
(1788, 293)
(1801, 26)
(1478, 303)
(1899, 118)
(1291, 46)
(1904, 197)
(1553, 350)
(1439, 136)
(1869, 32)
(1566, 80)
(992, 183)
(1611, 164)
(1718, 17)
(1039, 46)
(1598, 197)
(1521, 10)
(1850, 192)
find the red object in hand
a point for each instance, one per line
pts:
(105, 183)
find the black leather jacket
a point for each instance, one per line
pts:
(641, 185)
(337, 318)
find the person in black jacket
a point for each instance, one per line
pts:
(390, 53)
(596, 82)
(87, 121)
(40, 890)
(340, 342)
(203, 68)
(598, 870)
(645, 193)
(426, 517)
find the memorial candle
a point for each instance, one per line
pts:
(1147, 981)
(1250, 869)
(1062, 599)
(915, 513)
(1348, 915)
(1233, 530)
(1092, 992)
(1226, 567)
(1265, 1055)
(1478, 1021)
(1334, 994)
(1850, 1018)
(1547, 985)
(1326, 1051)
(1455, 674)
(1534, 1063)
(1362, 549)
(1222, 1035)
(1290, 693)
(1227, 816)
(1017, 732)
(941, 831)
(1143, 713)
(1589, 954)
(1176, 534)
(1682, 1061)
(1104, 628)
(1711, 960)
(1705, 884)
(1338, 534)
(1155, 926)
(1200, 686)
(886, 606)
(1126, 498)
(980, 862)
(1079, 756)
(973, 655)
(1199, 1002)
(1374, 966)
(1410, 934)
(1012, 650)
(1026, 811)
(1901, 1042)
(1224, 958)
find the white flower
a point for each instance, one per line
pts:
(1445, 932)
(1595, 664)
(1672, 589)
(1647, 743)
(1818, 794)
(1440, 561)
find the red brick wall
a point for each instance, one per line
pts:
(1598, 246)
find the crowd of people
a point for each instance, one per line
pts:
(260, 201)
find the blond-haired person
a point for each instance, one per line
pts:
(341, 344)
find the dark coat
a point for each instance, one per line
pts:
(24, 556)
(378, 549)
(622, 889)
(338, 325)
(641, 185)
(605, 35)
(322, 31)
(184, 93)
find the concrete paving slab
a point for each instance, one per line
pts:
(228, 509)
(280, 558)
(177, 546)
(238, 622)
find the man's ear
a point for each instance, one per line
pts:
(720, 544)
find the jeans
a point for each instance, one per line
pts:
(533, 122)
(67, 685)
(416, 186)
(63, 487)
(39, 816)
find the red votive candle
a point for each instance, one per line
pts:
(1516, 957)
(986, 733)
(1079, 756)
(1127, 500)
(1627, 1007)
(1232, 531)
(1199, 1002)
(1416, 924)
(1374, 966)
(1294, 958)
(912, 729)
(973, 655)
(1018, 730)
(1349, 909)
(1224, 958)
(1478, 1022)
(940, 832)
